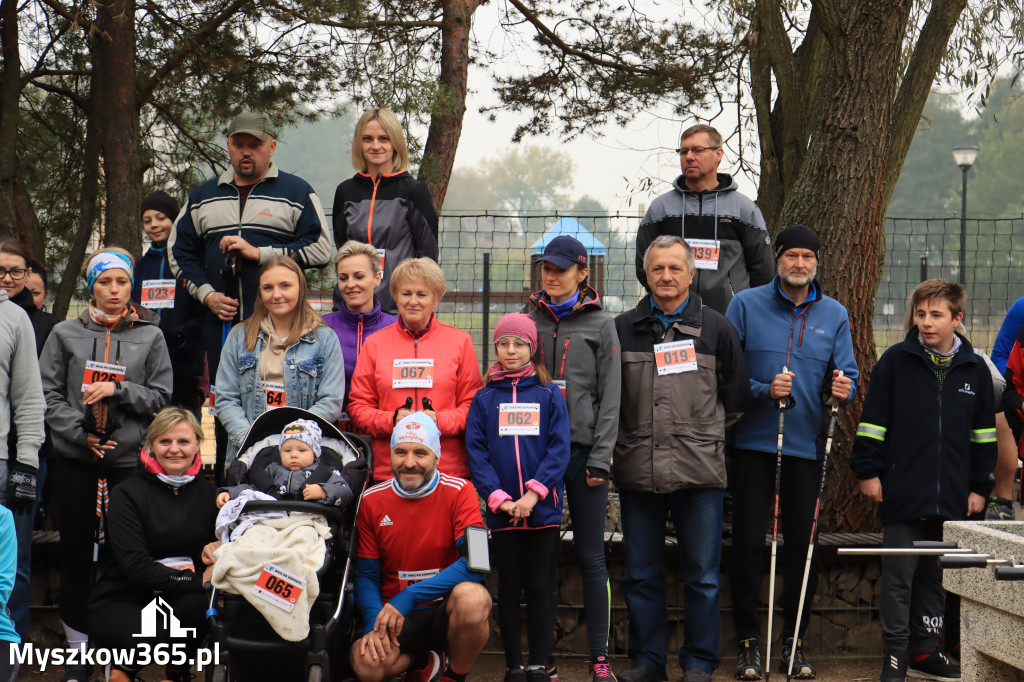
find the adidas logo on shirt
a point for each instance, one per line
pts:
(386, 521)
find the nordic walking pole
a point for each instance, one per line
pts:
(783, 405)
(814, 529)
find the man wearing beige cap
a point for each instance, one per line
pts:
(233, 223)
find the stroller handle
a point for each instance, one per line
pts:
(333, 514)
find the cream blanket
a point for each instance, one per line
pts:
(295, 544)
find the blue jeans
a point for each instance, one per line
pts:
(697, 516)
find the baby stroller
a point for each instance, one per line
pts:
(249, 647)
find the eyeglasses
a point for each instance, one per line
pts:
(16, 273)
(697, 151)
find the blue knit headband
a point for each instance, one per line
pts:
(108, 260)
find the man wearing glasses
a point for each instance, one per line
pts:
(725, 229)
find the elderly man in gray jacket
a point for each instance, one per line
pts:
(684, 379)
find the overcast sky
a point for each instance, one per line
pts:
(606, 167)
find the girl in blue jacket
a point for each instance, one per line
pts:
(517, 438)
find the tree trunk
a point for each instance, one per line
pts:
(840, 181)
(450, 106)
(114, 79)
(88, 200)
(10, 90)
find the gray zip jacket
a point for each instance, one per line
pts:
(583, 350)
(722, 215)
(135, 342)
(21, 392)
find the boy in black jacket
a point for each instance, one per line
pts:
(925, 450)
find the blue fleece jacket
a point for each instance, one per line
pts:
(507, 467)
(810, 340)
(1008, 334)
(8, 562)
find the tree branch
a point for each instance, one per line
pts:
(77, 19)
(773, 36)
(553, 38)
(187, 48)
(358, 25)
(79, 101)
(173, 120)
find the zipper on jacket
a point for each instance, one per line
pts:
(938, 464)
(373, 202)
(416, 354)
(359, 336)
(519, 463)
(565, 350)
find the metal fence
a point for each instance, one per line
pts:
(487, 260)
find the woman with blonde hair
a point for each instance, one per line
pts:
(382, 204)
(359, 274)
(104, 376)
(417, 364)
(283, 354)
(160, 520)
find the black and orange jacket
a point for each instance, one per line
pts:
(391, 212)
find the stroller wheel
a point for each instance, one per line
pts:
(315, 673)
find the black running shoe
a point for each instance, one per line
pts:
(935, 667)
(748, 660)
(894, 667)
(802, 670)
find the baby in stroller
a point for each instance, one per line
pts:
(299, 474)
(275, 558)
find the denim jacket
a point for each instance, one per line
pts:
(314, 379)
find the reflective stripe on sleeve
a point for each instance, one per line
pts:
(871, 431)
(983, 436)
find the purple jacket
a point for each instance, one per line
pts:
(352, 329)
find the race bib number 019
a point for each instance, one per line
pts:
(158, 293)
(519, 419)
(278, 587)
(96, 372)
(705, 253)
(275, 394)
(413, 373)
(675, 357)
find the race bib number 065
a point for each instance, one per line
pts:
(278, 587)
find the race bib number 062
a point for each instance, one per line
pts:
(519, 419)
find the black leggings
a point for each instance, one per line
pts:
(74, 489)
(527, 560)
(752, 481)
(113, 624)
(588, 508)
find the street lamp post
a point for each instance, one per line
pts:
(964, 156)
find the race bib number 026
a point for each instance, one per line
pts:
(278, 587)
(158, 293)
(96, 372)
(413, 373)
(519, 419)
(705, 253)
(675, 357)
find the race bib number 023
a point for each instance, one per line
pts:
(519, 419)
(413, 373)
(278, 587)
(158, 293)
(675, 357)
(96, 372)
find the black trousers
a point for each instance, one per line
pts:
(752, 482)
(74, 488)
(913, 601)
(527, 561)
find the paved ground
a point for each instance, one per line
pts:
(491, 668)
